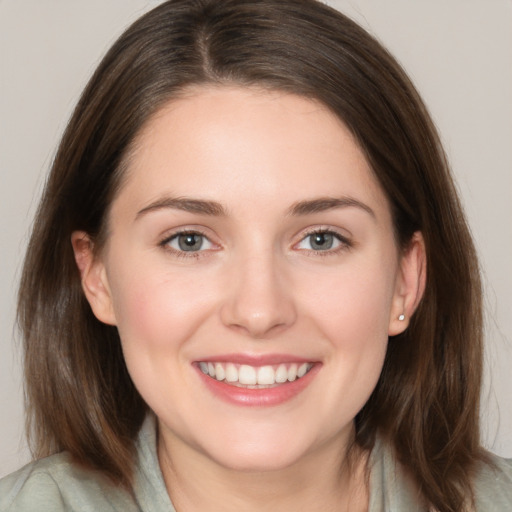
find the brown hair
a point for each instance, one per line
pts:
(80, 397)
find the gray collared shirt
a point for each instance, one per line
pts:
(56, 484)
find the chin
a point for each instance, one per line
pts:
(253, 455)
(257, 463)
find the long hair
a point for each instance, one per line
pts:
(79, 395)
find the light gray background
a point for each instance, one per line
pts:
(458, 52)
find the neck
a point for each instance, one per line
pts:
(326, 480)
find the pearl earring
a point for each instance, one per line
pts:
(401, 317)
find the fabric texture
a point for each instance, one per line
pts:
(56, 484)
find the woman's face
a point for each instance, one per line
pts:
(251, 240)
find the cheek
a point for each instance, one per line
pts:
(157, 309)
(157, 314)
(352, 304)
(352, 313)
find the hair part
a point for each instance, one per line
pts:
(79, 394)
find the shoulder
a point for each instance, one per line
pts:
(493, 485)
(56, 484)
(392, 489)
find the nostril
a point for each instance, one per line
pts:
(258, 324)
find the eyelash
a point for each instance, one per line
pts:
(183, 254)
(345, 243)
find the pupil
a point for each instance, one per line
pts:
(321, 241)
(190, 242)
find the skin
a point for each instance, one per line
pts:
(257, 286)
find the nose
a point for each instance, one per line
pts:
(259, 302)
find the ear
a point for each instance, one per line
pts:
(410, 285)
(94, 277)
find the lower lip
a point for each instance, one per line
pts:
(264, 397)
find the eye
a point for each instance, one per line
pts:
(323, 241)
(188, 242)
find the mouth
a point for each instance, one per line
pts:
(255, 377)
(260, 382)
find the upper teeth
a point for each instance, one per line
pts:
(255, 375)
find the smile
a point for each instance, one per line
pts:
(257, 380)
(255, 377)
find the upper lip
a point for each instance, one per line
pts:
(255, 359)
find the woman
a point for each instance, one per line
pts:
(250, 283)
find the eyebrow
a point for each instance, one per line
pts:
(186, 204)
(323, 204)
(215, 209)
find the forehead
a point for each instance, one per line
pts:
(233, 142)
